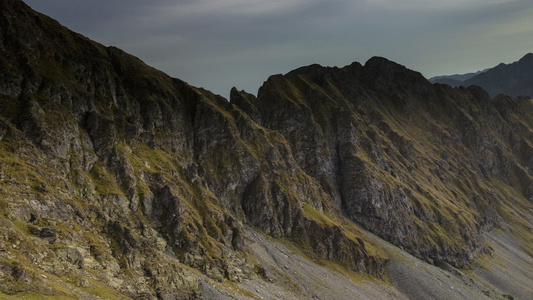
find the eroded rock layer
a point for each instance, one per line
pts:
(125, 182)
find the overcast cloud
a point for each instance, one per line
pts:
(218, 44)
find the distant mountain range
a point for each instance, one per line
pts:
(455, 77)
(515, 79)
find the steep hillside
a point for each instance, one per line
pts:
(118, 181)
(515, 79)
(115, 174)
(425, 167)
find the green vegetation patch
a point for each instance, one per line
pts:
(104, 182)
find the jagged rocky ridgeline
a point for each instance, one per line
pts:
(128, 181)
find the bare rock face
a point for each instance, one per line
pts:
(118, 179)
(424, 166)
(112, 167)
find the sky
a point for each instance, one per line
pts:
(219, 44)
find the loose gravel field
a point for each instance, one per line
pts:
(507, 274)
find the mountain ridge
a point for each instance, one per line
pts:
(119, 181)
(512, 79)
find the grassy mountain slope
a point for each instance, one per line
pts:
(118, 181)
(424, 166)
(116, 175)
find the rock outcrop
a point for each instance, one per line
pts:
(113, 167)
(420, 165)
(124, 182)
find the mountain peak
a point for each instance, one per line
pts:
(385, 74)
(119, 181)
(375, 61)
(527, 57)
(514, 79)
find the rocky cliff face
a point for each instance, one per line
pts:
(112, 167)
(125, 182)
(421, 165)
